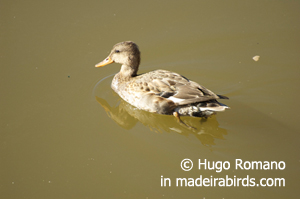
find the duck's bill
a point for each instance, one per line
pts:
(106, 61)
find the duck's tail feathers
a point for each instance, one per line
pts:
(202, 109)
(223, 97)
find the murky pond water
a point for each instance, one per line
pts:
(66, 134)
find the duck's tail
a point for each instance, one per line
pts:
(202, 109)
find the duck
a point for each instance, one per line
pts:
(159, 91)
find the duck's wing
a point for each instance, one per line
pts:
(177, 88)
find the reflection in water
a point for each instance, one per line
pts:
(127, 116)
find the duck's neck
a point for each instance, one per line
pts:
(128, 71)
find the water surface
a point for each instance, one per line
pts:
(66, 134)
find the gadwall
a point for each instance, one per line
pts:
(159, 91)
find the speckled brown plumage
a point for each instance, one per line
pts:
(159, 91)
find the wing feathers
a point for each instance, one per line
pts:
(177, 88)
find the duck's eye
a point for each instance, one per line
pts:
(117, 51)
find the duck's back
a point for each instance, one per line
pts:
(164, 92)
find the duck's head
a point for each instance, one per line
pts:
(126, 53)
